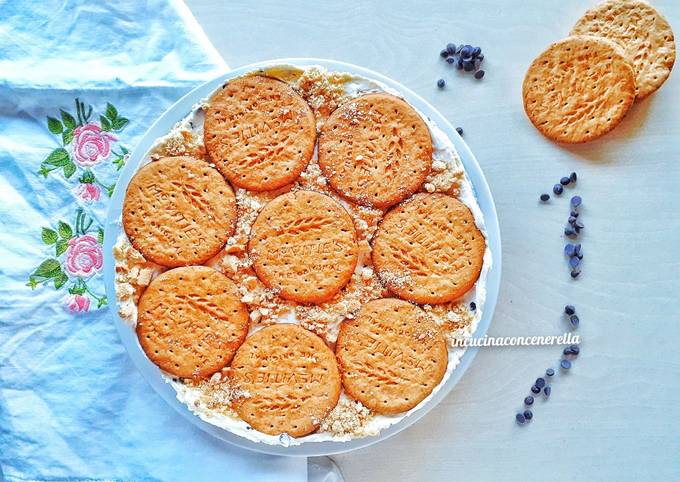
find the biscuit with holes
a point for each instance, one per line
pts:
(191, 321)
(578, 89)
(646, 37)
(375, 150)
(429, 249)
(391, 356)
(289, 379)
(303, 245)
(179, 211)
(259, 132)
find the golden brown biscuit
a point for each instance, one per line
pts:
(179, 211)
(646, 37)
(303, 244)
(191, 321)
(259, 132)
(375, 150)
(578, 89)
(428, 249)
(391, 356)
(289, 379)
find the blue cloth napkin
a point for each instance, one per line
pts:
(80, 82)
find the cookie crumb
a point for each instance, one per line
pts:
(347, 418)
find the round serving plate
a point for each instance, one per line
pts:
(114, 228)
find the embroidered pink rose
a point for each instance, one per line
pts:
(91, 145)
(88, 192)
(77, 303)
(84, 256)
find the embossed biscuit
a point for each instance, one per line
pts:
(646, 37)
(375, 150)
(303, 244)
(179, 211)
(259, 132)
(391, 356)
(428, 249)
(289, 378)
(578, 89)
(191, 321)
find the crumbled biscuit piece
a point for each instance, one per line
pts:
(323, 90)
(133, 274)
(445, 176)
(179, 142)
(217, 393)
(455, 318)
(347, 418)
(438, 166)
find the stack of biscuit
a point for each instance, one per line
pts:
(581, 87)
(375, 151)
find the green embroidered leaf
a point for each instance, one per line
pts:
(54, 125)
(78, 112)
(102, 302)
(32, 283)
(67, 137)
(60, 280)
(58, 157)
(48, 269)
(124, 149)
(100, 236)
(69, 170)
(110, 189)
(44, 171)
(69, 120)
(61, 247)
(65, 230)
(49, 236)
(105, 123)
(119, 123)
(87, 177)
(85, 224)
(111, 111)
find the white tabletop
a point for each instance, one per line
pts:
(616, 416)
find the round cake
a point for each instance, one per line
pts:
(321, 298)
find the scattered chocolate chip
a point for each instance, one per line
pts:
(573, 319)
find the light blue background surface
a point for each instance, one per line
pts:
(617, 415)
